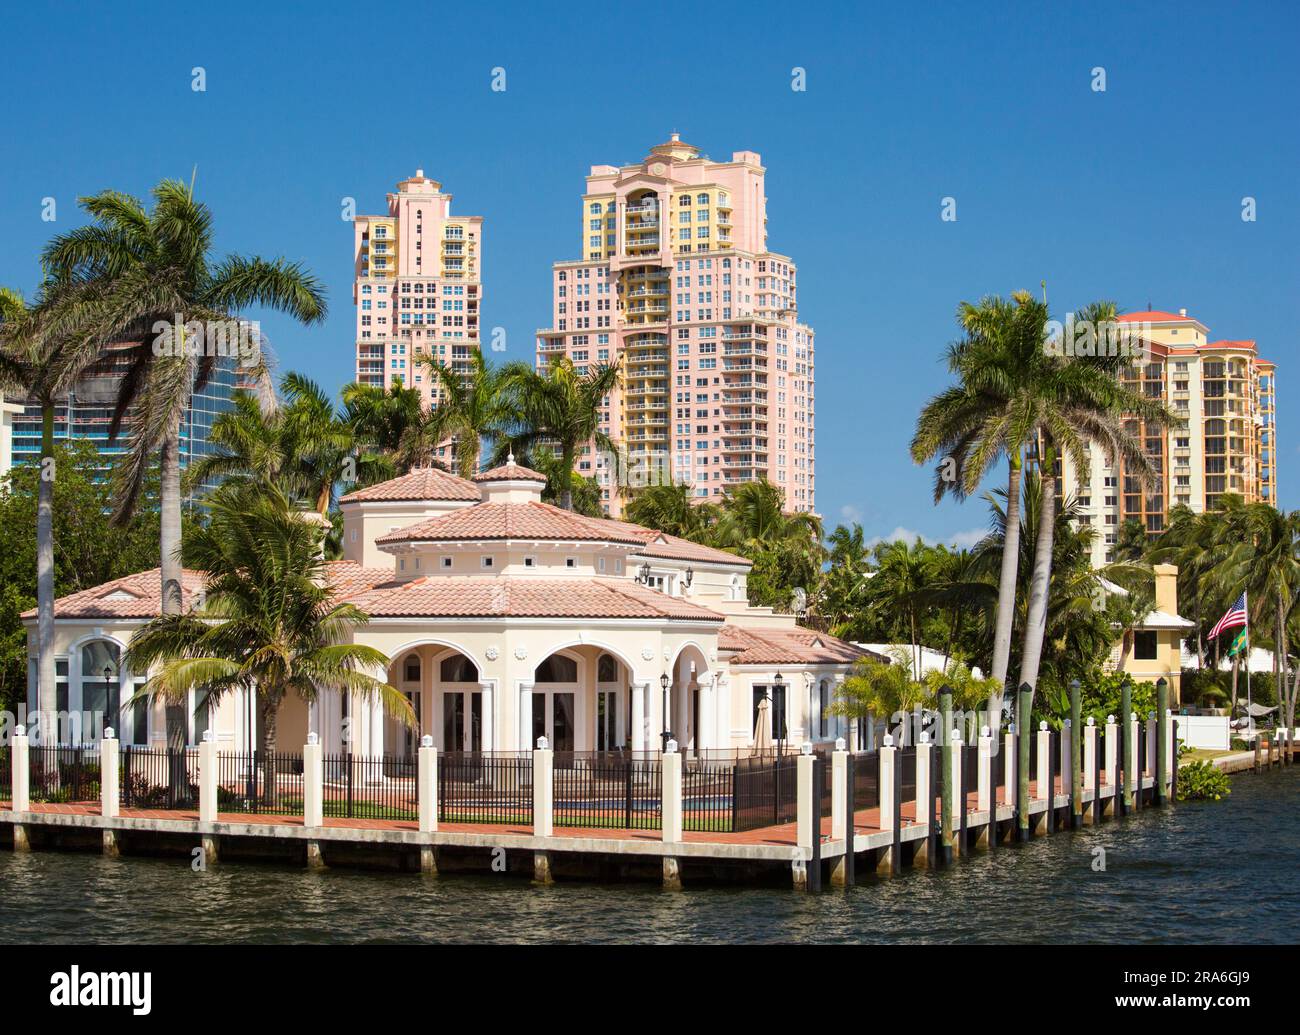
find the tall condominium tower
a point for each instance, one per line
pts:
(418, 285)
(676, 279)
(1225, 396)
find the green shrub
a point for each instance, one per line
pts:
(1202, 781)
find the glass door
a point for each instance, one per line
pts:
(462, 720)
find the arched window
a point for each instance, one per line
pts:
(557, 669)
(457, 669)
(607, 669)
(411, 668)
(100, 687)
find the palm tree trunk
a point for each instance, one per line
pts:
(47, 693)
(1036, 619)
(1007, 583)
(169, 493)
(270, 790)
(1279, 657)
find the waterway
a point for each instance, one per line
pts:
(1208, 872)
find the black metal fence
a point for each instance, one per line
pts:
(369, 787)
(266, 783)
(970, 767)
(766, 791)
(613, 789)
(866, 780)
(906, 761)
(708, 795)
(485, 787)
(167, 779)
(6, 774)
(64, 774)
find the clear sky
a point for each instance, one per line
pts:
(1133, 194)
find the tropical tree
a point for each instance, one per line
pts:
(672, 508)
(269, 620)
(987, 415)
(786, 547)
(392, 422)
(472, 404)
(162, 301)
(841, 599)
(562, 406)
(35, 360)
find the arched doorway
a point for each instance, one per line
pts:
(692, 706)
(555, 701)
(460, 699)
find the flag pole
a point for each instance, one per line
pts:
(1249, 716)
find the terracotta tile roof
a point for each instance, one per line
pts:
(660, 544)
(786, 646)
(481, 596)
(528, 520)
(140, 595)
(420, 483)
(1156, 316)
(510, 472)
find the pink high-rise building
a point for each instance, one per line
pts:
(418, 285)
(677, 279)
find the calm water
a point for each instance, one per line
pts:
(1220, 872)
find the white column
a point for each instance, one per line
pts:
(707, 733)
(525, 716)
(1112, 753)
(1171, 748)
(208, 779)
(671, 774)
(108, 778)
(376, 709)
(427, 791)
(812, 727)
(985, 780)
(543, 790)
(1151, 745)
(313, 782)
(922, 812)
(1011, 748)
(1045, 790)
(20, 761)
(888, 774)
(489, 725)
(1131, 745)
(808, 820)
(639, 716)
(840, 804)
(1090, 755)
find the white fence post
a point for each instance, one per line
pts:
(20, 761)
(108, 775)
(1011, 749)
(885, 792)
(806, 814)
(671, 774)
(313, 783)
(986, 801)
(840, 805)
(543, 789)
(208, 778)
(1043, 776)
(955, 775)
(427, 791)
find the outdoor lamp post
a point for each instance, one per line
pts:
(688, 576)
(643, 574)
(778, 717)
(109, 719)
(665, 681)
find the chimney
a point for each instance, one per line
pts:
(1182, 312)
(1167, 588)
(419, 175)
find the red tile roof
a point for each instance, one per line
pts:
(1157, 316)
(536, 520)
(510, 472)
(477, 596)
(1246, 345)
(420, 483)
(797, 646)
(528, 520)
(140, 595)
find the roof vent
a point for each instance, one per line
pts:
(1182, 312)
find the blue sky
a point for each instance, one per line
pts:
(1133, 194)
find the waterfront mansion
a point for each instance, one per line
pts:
(504, 619)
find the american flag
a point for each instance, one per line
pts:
(1235, 617)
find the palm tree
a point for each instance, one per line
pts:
(900, 585)
(471, 405)
(1196, 543)
(1265, 562)
(1075, 402)
(35, 360)
(393, 422)
(988, 414)
(671, 508)
(153, 271)
(269, 620)
(564, 407)
(786, 547)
